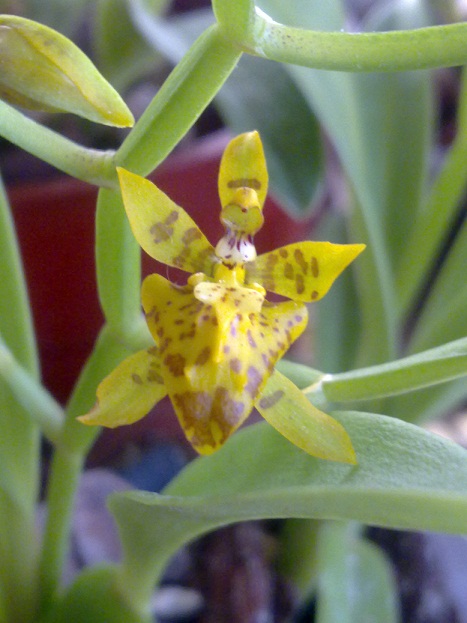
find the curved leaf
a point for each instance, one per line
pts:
(356, 583)
(406, 478)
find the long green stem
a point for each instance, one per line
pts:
(428, 368)
(65, 472)
(19, 438)
(90, 165)
(183, 97)
(15, 314)
(118, 264)
(423, 48)
(31, 395)
(68, 462)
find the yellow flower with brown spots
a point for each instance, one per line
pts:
(217, 337)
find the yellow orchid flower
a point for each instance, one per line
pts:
(217, 337)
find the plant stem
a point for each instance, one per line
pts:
(65, 472)
(235, 18)
(19, 439)
(16, 321)
(31, 395)
(118, 264)
(90, 165)
(68, 462)
(424, 369)
(186, 93)
(423, 48)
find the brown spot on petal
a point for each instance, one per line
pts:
(225, 408)
(235, 365)
(299, 284)
(254, 381)
(314, 295)
(288, 271)
(269, 401)
(137, 379)
(245, 182)
(176, 364)
(300, 259)
(283, 253)
(251, 340)
(314, 267)
(173, 216)
(203, 357)
(199, 410)
(155, 377)
(191, 235)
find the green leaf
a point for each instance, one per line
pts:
(424, 369)
(427, 404)
(123, 55)
(406, 478)
(356, 582)
(289, 131)
(352, 109)
(380, 125)
(19, 438)
(434, 223)
(42, 69)
(443, 316)
(95, 597)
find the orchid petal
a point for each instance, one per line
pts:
(129, 392)
(243, 165)
(288, 410)
(218, 346)
(162, 228)
(303, 271)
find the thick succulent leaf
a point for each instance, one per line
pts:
(406, 478)
(356, 583)
(42, 69)
(162, 228)
(129, 392)
(286, 408)
(303, 271)
(218, 346)
(243, 165)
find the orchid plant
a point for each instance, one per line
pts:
(218, 340)
(343, 440)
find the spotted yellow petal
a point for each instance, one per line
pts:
(303, 271)
(286, 408)
(162, 228)
(129, 392)
(243, 165)
(218, 346)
